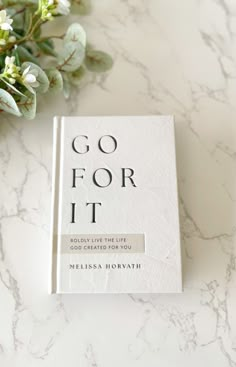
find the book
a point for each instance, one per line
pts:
(115, 220)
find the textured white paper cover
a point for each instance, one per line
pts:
(147, 145)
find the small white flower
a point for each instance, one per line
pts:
(46, 7)
(29, 79)
(54, 7)
(62, 7)
(5, 21)
(12, 39)
(2, 42)
(11, 71)
(12, 80)
(10, 60)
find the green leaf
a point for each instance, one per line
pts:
(73, 53)
(82, 7)
(75, 33)
(71, 57)
(17, 59)
(17, 35)
(27, 19)
(98, 61)
(27, 105)
(12, 87)
(76, 76)
(55, 80)
(25, 55)
(41, 77)
(8, 104)
(18, 2)
(66, 87)
(18, 21)
(2, 61)
(47, 47)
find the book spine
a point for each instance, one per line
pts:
(55, 204)
(179, 254)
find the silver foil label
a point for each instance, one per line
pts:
(102, 243)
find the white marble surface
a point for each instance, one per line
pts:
(171, 57)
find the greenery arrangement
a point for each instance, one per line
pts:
(23, 51)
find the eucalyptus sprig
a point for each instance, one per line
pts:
(23, 50)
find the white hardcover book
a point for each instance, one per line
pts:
(115, 222)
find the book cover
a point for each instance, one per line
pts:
(115, 221)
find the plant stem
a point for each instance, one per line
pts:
(19, 11)
(36, 25)
(26, 38)
(9, 5)
(30, 33)
(49, 37)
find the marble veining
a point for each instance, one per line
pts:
(171, 57)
